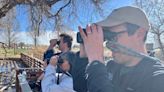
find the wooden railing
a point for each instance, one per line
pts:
(32, 62)
(34, 69)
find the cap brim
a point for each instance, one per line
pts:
(110, 22)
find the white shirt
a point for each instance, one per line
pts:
(49, 81)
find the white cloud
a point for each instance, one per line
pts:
(23, 37)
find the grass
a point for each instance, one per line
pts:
(36, 52)
(12, 52)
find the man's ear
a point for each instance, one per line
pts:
(141, 34)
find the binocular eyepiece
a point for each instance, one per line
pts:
(108, 35)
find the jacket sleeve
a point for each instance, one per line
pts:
(49, 82)
(78, 74)
(98, 79)
(158, 84)
(48, 54)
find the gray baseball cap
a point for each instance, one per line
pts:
(126, 14)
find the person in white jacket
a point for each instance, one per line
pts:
(51, 78)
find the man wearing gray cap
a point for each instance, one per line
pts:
(132, 70)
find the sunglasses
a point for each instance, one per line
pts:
(109, 35)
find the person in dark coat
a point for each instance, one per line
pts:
(132, 70)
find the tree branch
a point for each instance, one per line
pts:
(6, 7)
(12, 3)
(56, 14)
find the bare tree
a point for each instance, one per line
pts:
(10, 27)
(155, 11)
(46, 5)
(35, 16)
(52, 13)
(6, 5)
(57, 10)
(4, 47)
(34, 36)
(21, 45)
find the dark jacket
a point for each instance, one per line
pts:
(78, 74)
(48, 54)
(147, 76)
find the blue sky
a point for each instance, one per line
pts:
(23, 19)
(108, 7)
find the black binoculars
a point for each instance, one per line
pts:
(108, 35)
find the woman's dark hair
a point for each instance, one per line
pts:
(70, 57)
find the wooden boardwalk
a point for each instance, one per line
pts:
(10, 68)
(7, 74)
